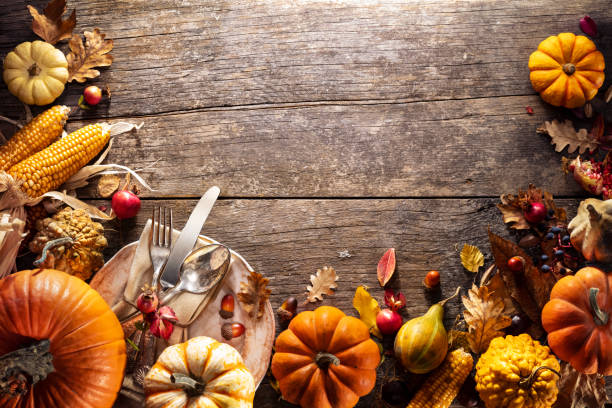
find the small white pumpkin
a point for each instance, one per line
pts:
(35, 72)
(591, 230)
(200, 373)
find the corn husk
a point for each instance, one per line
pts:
(12, 224)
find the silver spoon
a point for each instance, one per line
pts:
(202, 270)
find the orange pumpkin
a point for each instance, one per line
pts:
(325, 359)
(566, 70)
(577, 319)
(85, 341)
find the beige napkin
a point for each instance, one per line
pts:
(187, 306)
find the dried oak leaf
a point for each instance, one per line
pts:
(563, 134)
(368, 309)
(254, 294)
(49, 26)
(484, 317)
(531, 287)
(577, 390)
(386, 267)
(512, 206)
(471, 258)
(107, 185)
(82, 59)
(323, 283)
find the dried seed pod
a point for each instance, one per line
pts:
(529, 241)
(232, 330)
(288, 309)
(227, 306)
(588, 110)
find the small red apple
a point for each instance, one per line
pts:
(535, 212)
(92, 95)
(125, 204)
(388, 321)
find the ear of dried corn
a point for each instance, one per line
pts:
(442, 386)
(51, 167)
(39, 133)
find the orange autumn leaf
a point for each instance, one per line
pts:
(83, 58)
(254, 294)
(386, 267)
(49, 26)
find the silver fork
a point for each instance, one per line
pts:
(161, 241)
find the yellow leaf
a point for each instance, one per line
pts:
(368, 308)
(471, 258)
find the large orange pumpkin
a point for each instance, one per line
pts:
(325, 359)
(567, 70)
(85, 340)
(577, 319)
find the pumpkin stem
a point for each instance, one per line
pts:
(34, 70)
(49, 245)
(443, 302)
(527, 382)
(24, 367)
(569, 68)
(600, 317)
(192, 387)
(324, 359)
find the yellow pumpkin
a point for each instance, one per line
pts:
(35, 72)
(199, 373)
(567, 70)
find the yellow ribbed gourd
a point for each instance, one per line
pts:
(39, 133)
(51, 167)
(517, 372)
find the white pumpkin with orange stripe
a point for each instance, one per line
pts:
(200, 373)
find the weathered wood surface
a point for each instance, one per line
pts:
(413, 111)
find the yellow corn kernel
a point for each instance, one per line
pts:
(443, 385)
(51, 167)
(39, 133)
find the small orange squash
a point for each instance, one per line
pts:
(577, 319)
(325, 359)
(567, 70)
(86, 348)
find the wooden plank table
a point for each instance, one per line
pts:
(329, 126)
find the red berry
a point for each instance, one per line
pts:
(232, 330)
(147, 302)
(92, 95)
(125, 204)
(388, 321)
(535, 212)
(227, 306)
(516, 264)
(432, 279)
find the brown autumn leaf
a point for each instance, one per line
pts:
(531, 287)
(49, 26)
(484, 316)
(577, 390)
(83, 58)
(323, 283)
(386, 267)
(563, 134)
(254, 294)
(496, 284)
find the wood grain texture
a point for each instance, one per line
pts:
(182, 55)
(480, 147)
(287, 240)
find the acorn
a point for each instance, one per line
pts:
(232, 330)
(227, 306)
(288, 309)
(432, 279)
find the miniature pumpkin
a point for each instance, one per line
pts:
(518, 372)
(325, 359)
(591, 230)
(86, 348)
(577, 321)
(35, 72)
(74, 243)
(199, 373)
(566, 70)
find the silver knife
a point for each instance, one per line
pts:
(188, 237)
